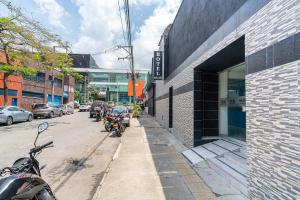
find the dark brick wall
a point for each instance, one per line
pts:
(195, 22)
(206, 109)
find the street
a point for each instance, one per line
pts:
(82, 150)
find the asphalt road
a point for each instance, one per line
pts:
(75, 165)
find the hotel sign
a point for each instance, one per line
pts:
(157, 65)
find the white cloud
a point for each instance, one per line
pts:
(101, 29)
(148, 37)
(54, 11)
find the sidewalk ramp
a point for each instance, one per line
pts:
(221, 163)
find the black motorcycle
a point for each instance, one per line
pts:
(118, 126)
(23, 181)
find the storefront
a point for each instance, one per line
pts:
(233, 71)
(232, 109)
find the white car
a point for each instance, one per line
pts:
(11, 114)
(84, 107)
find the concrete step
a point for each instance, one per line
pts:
(230, 173)
(241, 152)
(215, 148)
(234, 161)
(217, 181)
(192, 157)
(204, 153)
(226, 145)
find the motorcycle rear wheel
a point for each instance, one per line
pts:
(108, 127)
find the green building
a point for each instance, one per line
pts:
(112, 84)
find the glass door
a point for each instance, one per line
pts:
(236, 103)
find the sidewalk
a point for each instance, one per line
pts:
(148, 167)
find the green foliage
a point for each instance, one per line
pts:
(77, 96)
(94, 95)
(137, 110)
(19, 70)
(28, 45)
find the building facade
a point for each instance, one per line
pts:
(112, 84)
(38, 89)
(231, 69)
(28, 90)
(83, 61)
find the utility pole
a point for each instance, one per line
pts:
(130, 49)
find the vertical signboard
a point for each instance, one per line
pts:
(157, 65)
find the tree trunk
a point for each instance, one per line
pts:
(5, 78)
(5, 88)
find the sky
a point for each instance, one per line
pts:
(93, 26)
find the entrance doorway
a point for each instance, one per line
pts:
(232, 111)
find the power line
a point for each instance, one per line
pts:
(131, 60)
(120, 14)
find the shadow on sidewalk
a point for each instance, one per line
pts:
(162, 153)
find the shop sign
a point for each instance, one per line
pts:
(157, 65)
(237, 101)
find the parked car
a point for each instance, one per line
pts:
(11, 114)
(67, 109)
(46, 110)
(84, 107)
(76, 105)
(130, 108)
(94, 105)
(122, 110)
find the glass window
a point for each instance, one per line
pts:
(39, 77)
(13, 109)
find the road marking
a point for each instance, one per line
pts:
(116, 155)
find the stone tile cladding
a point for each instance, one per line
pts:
(183, 113)
(277, 20)
(273, 132)
(162, 112)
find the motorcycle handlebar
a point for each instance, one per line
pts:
(39, 148)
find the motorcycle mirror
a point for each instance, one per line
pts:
(42, 127)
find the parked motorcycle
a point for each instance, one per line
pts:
(98, 114)
(118, 127)
(107, 121)
(23, 181)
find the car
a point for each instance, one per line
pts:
(94, 105)
(76, 105)
(122, 110)
(84, 107)
(68, 108)
(46, 110)
(11, 114)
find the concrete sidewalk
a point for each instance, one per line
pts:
(147, 167)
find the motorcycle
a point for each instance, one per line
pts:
(98, 114)
(118, 127)
(23, 181)
(107, 121)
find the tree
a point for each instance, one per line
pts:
(94, 95)
(28, 47)
(78, 96)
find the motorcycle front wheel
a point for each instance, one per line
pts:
(44, 195)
